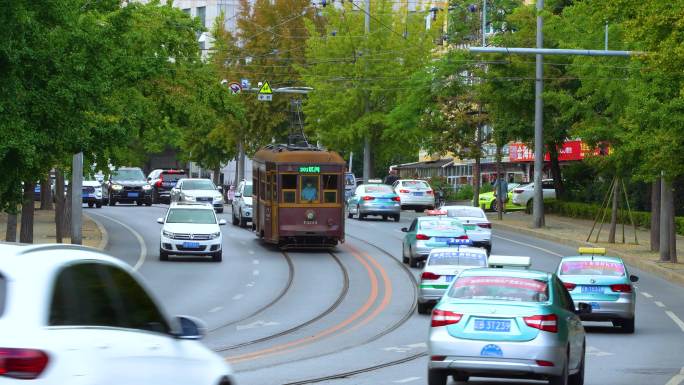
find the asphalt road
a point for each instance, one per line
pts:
(348, 317)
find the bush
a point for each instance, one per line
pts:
(590, 211)
(464, 193)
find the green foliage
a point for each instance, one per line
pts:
(464, 193)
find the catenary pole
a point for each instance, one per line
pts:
(76, 199)
(367, 140)
(538, 201)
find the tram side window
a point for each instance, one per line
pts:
(308, 188)
(274, 189)
(262, 186)
(268, 187)
(288, 183)
(330, 188)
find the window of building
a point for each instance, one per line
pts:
(187, 11)
(202, 14)
(288, 185)
(308, 188)
(330, 188)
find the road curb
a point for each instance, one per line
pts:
(638, 262)
(103, 232)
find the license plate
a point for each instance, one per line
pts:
(492, 325)
(418, 194)
(191, 245)
(132, 194)
(595, 305)
(469, 227)
(449, 278)
(592, 289)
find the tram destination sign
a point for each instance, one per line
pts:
(309, 169)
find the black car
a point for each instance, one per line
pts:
(128, 185)
(162, 181)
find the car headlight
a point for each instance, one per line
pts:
(117, 187)
(189, 197)
(215, 235)
(168, 234)
(218, 198)
(147, 187)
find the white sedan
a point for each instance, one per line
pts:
(475, 223)
(415, 194)
(72, 315)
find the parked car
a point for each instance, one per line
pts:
(242, 204)
(191, 229)
(73, 315)
(522, 195)
(162, 181)
(197, 190)
(489, 200)
(415, 194)
(507, 323)
(375, 199)
(128, 185)
(91, 193)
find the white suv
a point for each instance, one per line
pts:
(191, 229)
(522, 195)
(73, 315)
(242, 204)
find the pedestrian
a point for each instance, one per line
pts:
(501, 190)
(391, 178)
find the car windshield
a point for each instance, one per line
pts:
(499, 288)
(415, 184)
(198, 185)
(461, 258)
(608, 268)
(3, 293)
(440, 224)
(464, 212)
(378, 189)
(172, 177)
(199, 216)
(247, 191)
(134, 174)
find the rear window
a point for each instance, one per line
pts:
(500, 289)
(465, 212)
(440, 224)
(607, 268)
(379, 188)
(174, 176)
(415, 184)
(458, 258)
(3, 294)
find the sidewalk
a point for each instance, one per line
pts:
(44, 229)
(574, 232)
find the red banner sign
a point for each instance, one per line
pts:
(571, 150)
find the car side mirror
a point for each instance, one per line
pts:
(633, 278)
(222, 222)
(583, 308)
(237, 195)
(219, 188)
(404, 230)
(160, 220)
(189, 328)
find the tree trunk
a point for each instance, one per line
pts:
(217, 175)
(673, 228)
(500, 201)
(11, 231)
(614, 211)
(241, 162)
(476, 181)
(655, 215)
(556, 172)
(45, 194)
(666, 214)
(27, 209)
(60, 223)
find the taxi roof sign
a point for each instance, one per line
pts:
(592, 251)
(436, 212)
(509, 261)
(265, 89)
(374, 180)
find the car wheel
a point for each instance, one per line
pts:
(528, 207)
(235, 220)
(155, 197)
(578, 378)
(243, 221)
(404, 258)
(397, 217)
(437, 377)
(412, 261)
(220, 211)
(489, 249)
(350, 215)
(149, 203)
(217, 256)
(460, 377)
(163, 255)
(139, 203)
(563, 378)
(423, 308)
(384, 217)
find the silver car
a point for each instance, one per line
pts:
(374, 199)
(198, 190)
(507, 324)
(475, 223)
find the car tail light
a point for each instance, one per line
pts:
(437, 358)
(422, 237)
(25, 364)
(396, 199)
(485, 225)
(444, 318)
(621, 288)
(402, 191)
(429, 192)
(462, 237)
(547, 323)
(159, 182)
(544, 363)
(569, 285)
(518, 191)
(368, 198)
(429, 276)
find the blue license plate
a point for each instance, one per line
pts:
(132, 194)
(592, 289)
(595, 305)
(191, 245)
(492, 325)
(418, 194)
(449, 278)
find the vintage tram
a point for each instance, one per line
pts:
(298, 196)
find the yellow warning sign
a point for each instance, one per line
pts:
(265, 89)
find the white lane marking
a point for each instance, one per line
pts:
(255, 272)
(250, 252)
(676, 319)
(645, 294)
(250, 284)
(256, 261)
(677, 379)
(141, 241)
(256, 324)
(528, 245)
(405, 348)
(593, 351)
(238, 297)
(659, 304)
(217, 308)
(405, 380)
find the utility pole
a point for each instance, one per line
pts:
(538, 201)
(367, 172)
(484, 23)
(76, 200)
